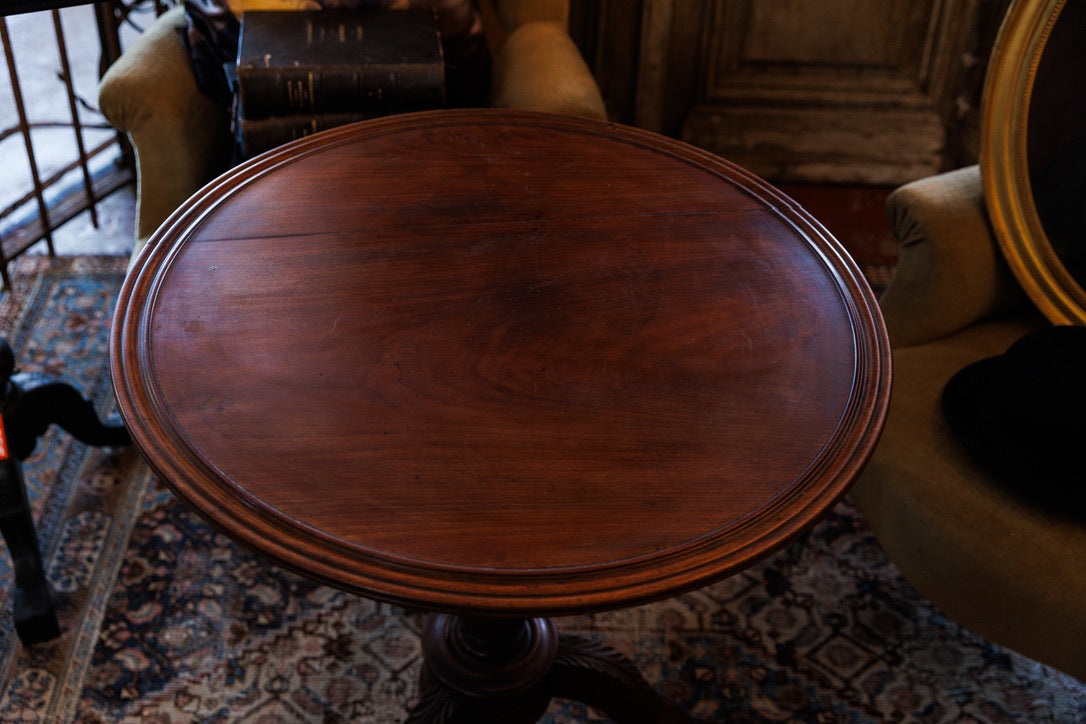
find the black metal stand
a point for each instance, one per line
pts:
(30, 403)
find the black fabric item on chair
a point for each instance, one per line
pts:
(1022, 414)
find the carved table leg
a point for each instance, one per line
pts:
(597, 675)
(28, 405)
(505, 671)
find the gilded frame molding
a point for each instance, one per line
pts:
(1005, 175)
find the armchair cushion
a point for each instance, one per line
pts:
(1008, 570)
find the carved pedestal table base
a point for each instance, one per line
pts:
(507, 671)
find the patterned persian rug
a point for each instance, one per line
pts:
(165, 620)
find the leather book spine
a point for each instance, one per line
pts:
(262, 134)
(265, 92)
(327, 62)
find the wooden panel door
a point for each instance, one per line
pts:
(829, 90)
(848, 91)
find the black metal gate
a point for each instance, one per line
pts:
(50, 197)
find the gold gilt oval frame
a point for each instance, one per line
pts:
(1008, 194)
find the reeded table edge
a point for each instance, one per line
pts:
(551, 591)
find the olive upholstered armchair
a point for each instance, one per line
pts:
(181, 137)
(1004, 568)
(974, 490)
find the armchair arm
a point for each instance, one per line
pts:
(951, 273)
(536, 65)
(538, 68)
(180, 136)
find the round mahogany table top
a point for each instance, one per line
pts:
(500, 362)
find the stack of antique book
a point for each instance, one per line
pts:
(299, 72)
